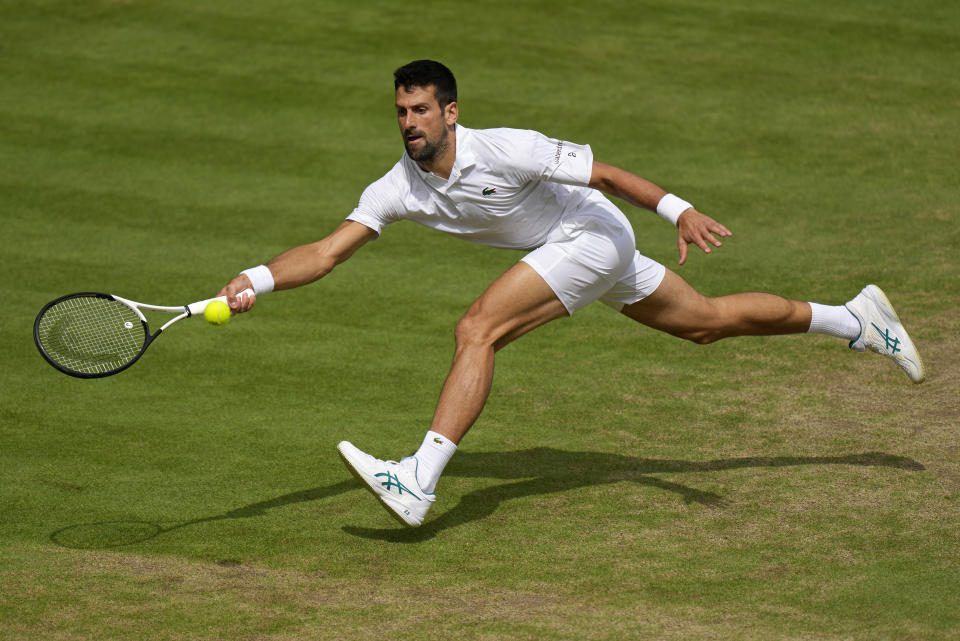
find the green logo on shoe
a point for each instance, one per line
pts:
(393, 482)
(893, 343)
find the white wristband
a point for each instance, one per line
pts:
(670, 207)
(261, 277)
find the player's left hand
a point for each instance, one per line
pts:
(698, 229)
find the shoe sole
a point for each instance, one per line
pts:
(365, 482)
(880, 297)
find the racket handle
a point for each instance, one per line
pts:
(200, 305)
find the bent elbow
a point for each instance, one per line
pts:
(324, 266)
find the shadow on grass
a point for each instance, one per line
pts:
(535, 471)
(112, 534)
(548, 471)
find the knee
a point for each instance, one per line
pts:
(473, 330)
(701, 336)
(709, 325)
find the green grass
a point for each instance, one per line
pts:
(621, 484)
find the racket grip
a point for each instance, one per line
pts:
(200, 305)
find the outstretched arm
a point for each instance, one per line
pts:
(692, 226)
(304, 264)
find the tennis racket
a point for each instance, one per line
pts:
(92, 335)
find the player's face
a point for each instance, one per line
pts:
(423, 125)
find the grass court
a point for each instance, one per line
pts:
(621, 484)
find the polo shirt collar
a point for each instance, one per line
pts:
(465, 157)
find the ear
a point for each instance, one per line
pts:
(451, 113)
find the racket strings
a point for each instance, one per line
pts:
(91, 335)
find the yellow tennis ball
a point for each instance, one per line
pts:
(217, 313)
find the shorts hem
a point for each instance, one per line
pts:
(544, 273)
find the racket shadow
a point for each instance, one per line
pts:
(113, 534)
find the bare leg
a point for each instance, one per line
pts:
(678, 309)
(516, 303)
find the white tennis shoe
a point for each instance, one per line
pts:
(882, 332)
(395, 484)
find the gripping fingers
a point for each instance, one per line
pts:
(239, 294)
(243, 301)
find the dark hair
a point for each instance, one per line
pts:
(422, 73)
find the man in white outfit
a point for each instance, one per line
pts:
(519, 189)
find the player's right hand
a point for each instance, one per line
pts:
(239, 304)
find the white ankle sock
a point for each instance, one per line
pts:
(434, 454)
(835, 320)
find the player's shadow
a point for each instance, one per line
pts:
(530, 472)
(546, 470)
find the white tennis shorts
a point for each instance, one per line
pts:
(592, 255)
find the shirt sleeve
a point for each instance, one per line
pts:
(553, 160)
(380, 204)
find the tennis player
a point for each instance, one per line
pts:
(520, 189)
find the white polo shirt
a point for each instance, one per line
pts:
(508, 188)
